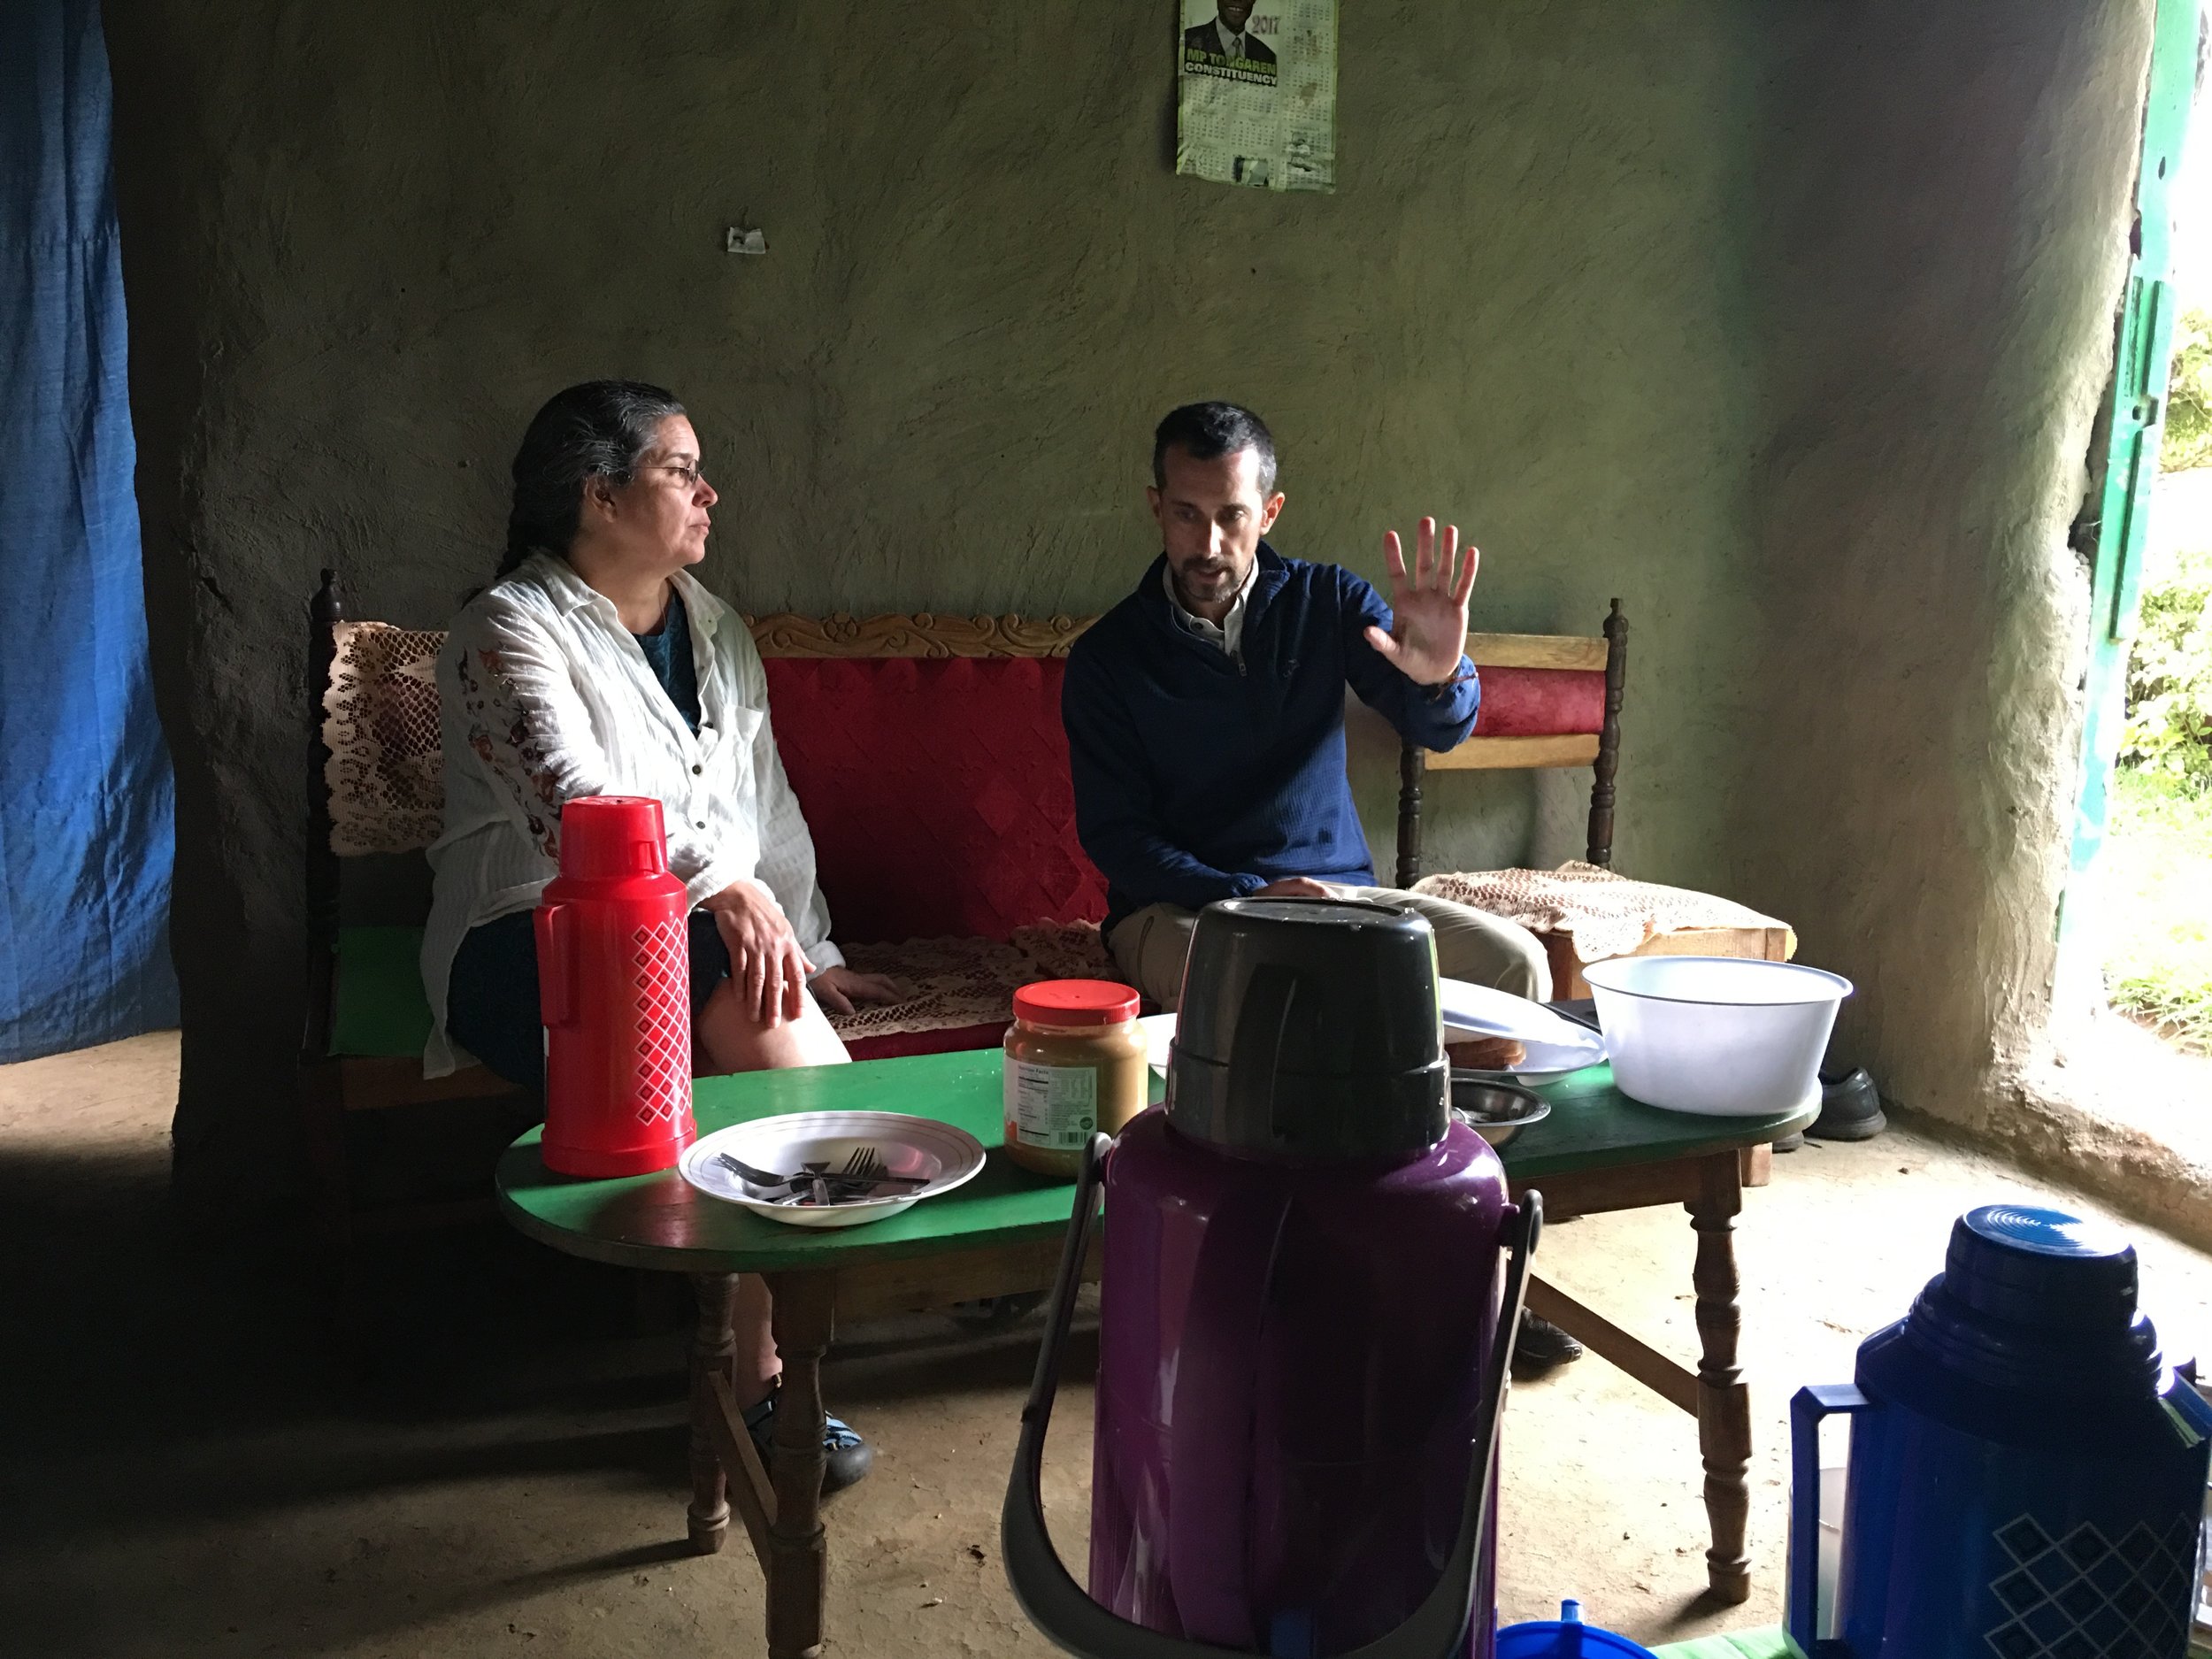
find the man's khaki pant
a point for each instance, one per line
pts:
(1149, 945)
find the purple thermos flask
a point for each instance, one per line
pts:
(1300, 1363)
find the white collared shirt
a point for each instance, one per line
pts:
(543, 695)
(1232, 45)
(1228, 634)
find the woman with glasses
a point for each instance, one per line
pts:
(595, 664)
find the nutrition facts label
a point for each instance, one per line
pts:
(1257, 93)
(1052, 1105)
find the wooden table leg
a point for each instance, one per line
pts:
(798, 1554)
(713, 1353)
(1723, 1404)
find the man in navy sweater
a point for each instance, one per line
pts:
(1205, 713)
(1205, 718)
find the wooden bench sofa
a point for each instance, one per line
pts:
(928, 753)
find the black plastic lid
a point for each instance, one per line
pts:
(1309, 1029)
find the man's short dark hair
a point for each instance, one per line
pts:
(1203, 431)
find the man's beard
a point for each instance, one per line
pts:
(1218, 580)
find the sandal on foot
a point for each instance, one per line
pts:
(848, 1457)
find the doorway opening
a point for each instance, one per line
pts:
(2136, 931)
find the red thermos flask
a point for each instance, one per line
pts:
(614, 986)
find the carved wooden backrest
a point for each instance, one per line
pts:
(787, 634)
(1604, 660)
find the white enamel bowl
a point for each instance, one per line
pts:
(940, 1154)
(1720, 1036)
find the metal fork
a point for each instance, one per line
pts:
(747, 1172)
(811, 1185)
(863, 1166)
(863, 1171)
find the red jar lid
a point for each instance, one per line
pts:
(1075, 1002)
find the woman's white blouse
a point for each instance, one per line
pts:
(543, 695)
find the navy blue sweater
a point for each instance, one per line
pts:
(1197, 779)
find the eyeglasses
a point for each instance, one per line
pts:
(687, 471)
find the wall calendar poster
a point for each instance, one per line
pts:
(1256, 80)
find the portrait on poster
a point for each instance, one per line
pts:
(1256, 103)
(1231, 43)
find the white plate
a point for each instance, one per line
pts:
(1565, 1046)
(1501, 1014)
(1159, 1036)
(1493, 1013)
(1547, 1062)
(944, 1156)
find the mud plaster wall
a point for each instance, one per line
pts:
(1948, 217)
(1647, 296)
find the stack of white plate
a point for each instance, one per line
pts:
(1555, 1046)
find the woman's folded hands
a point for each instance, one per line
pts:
(766, 965)
(769, 969)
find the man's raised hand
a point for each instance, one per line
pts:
(1428, 608)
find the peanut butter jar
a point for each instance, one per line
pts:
(1075, 1067)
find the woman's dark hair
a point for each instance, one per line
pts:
(600, 429)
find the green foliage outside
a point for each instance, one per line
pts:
(2188, 440)
(2170, 678)
(2157, 873)
(2158, 880)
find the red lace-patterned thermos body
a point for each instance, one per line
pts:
(614, 984)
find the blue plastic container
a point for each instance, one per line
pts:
(2026, 1477)
(1567, 1637)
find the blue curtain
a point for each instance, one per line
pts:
(87, 832)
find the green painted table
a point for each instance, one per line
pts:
(1000, 1234)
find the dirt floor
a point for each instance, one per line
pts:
(187, 1473)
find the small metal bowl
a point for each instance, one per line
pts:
(1494, 1108)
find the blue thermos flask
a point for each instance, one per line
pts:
(2027, 1476)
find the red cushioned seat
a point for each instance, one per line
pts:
(937, 793)
(1540, 702)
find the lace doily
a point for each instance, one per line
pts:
(1605, 914)
(381, 725)
(957, 982)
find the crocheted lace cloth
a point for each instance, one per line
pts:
(959, 982)
(381, 725)
(1605, 914)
